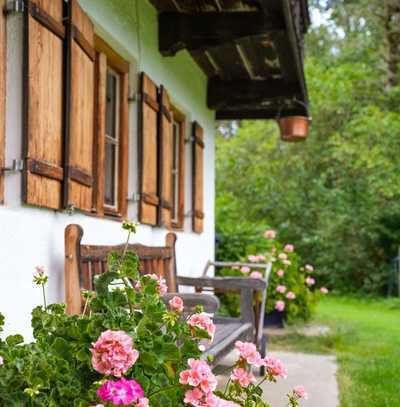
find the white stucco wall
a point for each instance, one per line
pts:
(32, 236)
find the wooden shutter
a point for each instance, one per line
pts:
(165, 140)
(43, 102)
(148, 152)
(198, 179)
(78, 181)
(3, 61)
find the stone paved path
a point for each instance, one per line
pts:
(316, 372)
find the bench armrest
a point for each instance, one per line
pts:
(246, 286)
(229, 283)
(191, 300)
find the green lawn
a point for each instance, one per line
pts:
(366, 339)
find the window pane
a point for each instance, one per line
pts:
(111, 104)
(109, 172)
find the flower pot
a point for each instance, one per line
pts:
(294, 128)
(275, 318)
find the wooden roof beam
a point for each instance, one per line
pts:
(229, 93)
(200, 31)
(253, 113)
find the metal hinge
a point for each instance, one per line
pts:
(14, 6)
(17, 165)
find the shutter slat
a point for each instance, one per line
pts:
(148, 152)
(165, 139)
(43, 109)
(80, 112)
(198, 179)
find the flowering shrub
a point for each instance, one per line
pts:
(292, 287)
(127, 349)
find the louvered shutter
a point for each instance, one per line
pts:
(78, 181)
(3, 60)
(43, 108)
(198, 179)
(165, 141)
(148, 151)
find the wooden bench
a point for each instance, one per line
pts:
(83, 262)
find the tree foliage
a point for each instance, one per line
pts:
(336, 197)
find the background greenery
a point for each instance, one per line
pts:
(336, 197)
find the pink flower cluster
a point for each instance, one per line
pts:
(161, 283)
(245, 269)
(289, 248)
(242, 376)
(204, 322)
(275, 367)
(309, 268)
(176, 304)
(256, 274)
(280, 305)
(248, 352)
(1, 360)
(280, 273)
(290, 295)
(123, 392)
(310, 281)
(113, 353)
(324, 290)
(300, 392)
(281, 289)
(270, 234)
(256, 258)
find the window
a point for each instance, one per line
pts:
(111, 131)
(178, 168)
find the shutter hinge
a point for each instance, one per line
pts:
(14, 6)
(17, 165)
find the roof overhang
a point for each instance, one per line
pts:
(251, 50)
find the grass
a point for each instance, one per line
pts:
(365, 336)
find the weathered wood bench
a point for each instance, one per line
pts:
(83, 262)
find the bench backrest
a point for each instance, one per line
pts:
(83, 262)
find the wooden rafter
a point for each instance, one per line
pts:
(203, 30)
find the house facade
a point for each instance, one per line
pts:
(102, 119)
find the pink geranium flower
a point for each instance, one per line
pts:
(113, 353)
(286, 262)
(324, 290)
(256, 274)
(261, 257)
(176, 304)
(270, 234)
(280, 273)
(242, 376)
(1, 360)
(282, 256)
(290, 295)
(289, 248)
(281, 289)
(300, 392)
(280, 305)
(144, 402)
(310, 281)
(275, 367)
(199, 375)
(122, 392)
(203, 322)
(252, 258)
(193, 397)
(249, 353)
(309, 268)
(245, 270)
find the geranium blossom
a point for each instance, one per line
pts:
(176, 304)
(275, 367)
(310, 281)
(242, 376)
(281, 289)
(286, 262)
(249, 353)
(256, 274)
(290, 295)
(282, 256)
(309, 268)
(122, 392)
(300, 392)
(245, 269)
(113, 353)
(1, 360)
(203, 322)
(280, 305)
(270, 234)
(199, 375)
(280, 273)
(324, 290)
(161, 283)
(252, 258)
(289, 248)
